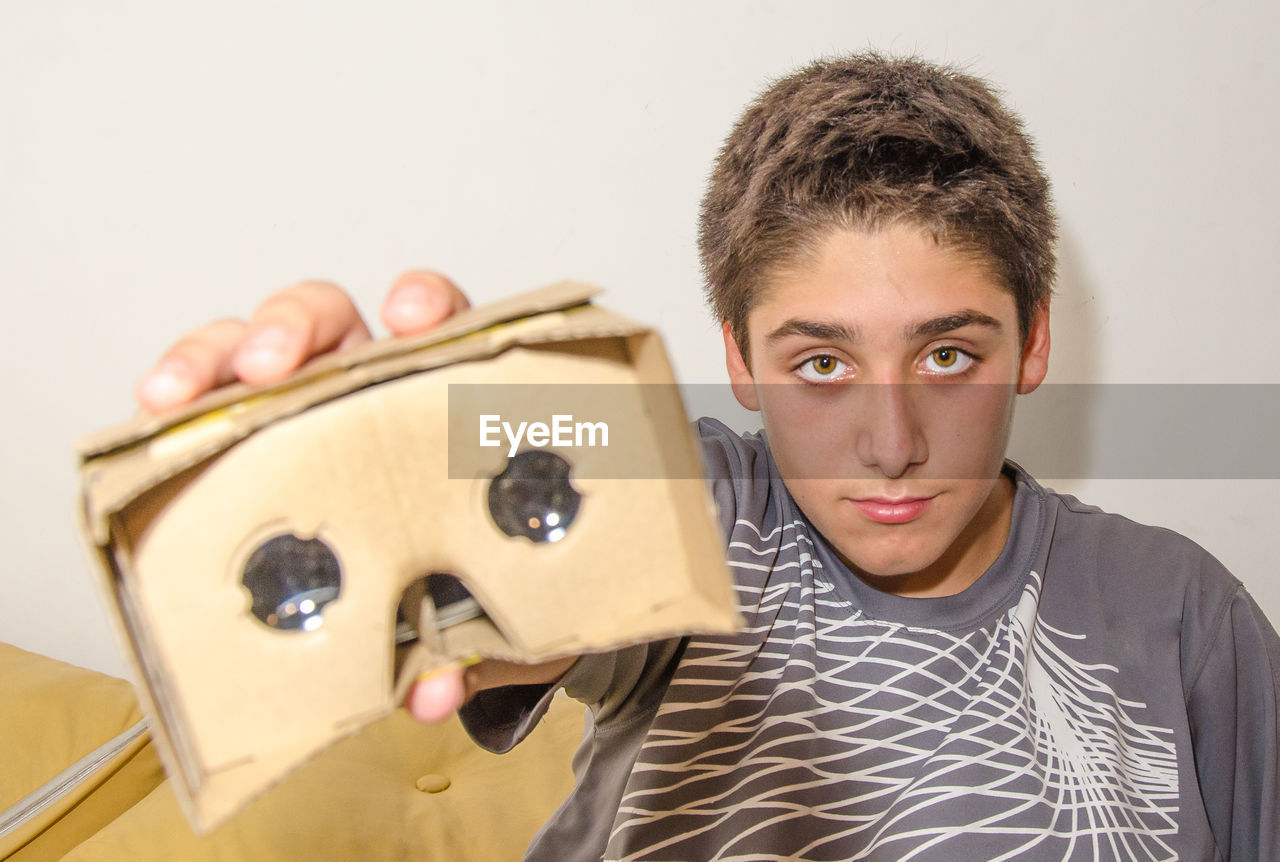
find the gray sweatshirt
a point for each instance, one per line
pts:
(1106, 690)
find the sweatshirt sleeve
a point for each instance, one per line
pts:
(1233, 704)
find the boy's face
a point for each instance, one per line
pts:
(901, 476)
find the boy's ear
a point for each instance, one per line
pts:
(1034, 364)
(744, 385)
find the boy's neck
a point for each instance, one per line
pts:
(970, 555)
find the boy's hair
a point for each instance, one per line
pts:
(864, 142)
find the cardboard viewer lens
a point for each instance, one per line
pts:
(291, 580)
(533, 497)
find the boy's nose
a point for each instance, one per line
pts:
(890, 434)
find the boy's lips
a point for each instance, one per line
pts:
(885, 510)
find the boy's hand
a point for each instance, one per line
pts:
(290, 327)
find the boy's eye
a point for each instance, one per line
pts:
(823, 364)
(821, 368)
(947, 360)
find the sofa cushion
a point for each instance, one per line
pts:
(75, 752)
(360, 799)
(81, 781)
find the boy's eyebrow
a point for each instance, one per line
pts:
(819, 330)
(946, 323)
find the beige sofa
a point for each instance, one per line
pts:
(80, 780)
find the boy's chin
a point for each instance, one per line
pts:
(872, 568)
(916, 572)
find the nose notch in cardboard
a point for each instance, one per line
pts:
(430, 611)
(452, 601)
(432, 604)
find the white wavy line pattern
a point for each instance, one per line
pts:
(818, 734)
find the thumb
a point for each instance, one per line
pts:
(437, 694)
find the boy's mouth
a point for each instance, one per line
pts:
(899, 510)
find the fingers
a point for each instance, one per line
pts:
(294, 325)
(198, 362)
(420, 299)
(289, 328)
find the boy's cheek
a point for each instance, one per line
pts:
(968, 427)
(811, 430)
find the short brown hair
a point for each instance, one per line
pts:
(863, 142)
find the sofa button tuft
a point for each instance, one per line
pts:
(432, 783)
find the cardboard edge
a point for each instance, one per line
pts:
(553, 297)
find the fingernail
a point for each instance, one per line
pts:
(267, 346)
(414, 302)
(167, 383)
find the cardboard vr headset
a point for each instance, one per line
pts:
(284, 561)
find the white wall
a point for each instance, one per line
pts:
(164, 163)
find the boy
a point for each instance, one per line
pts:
(940, 659)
